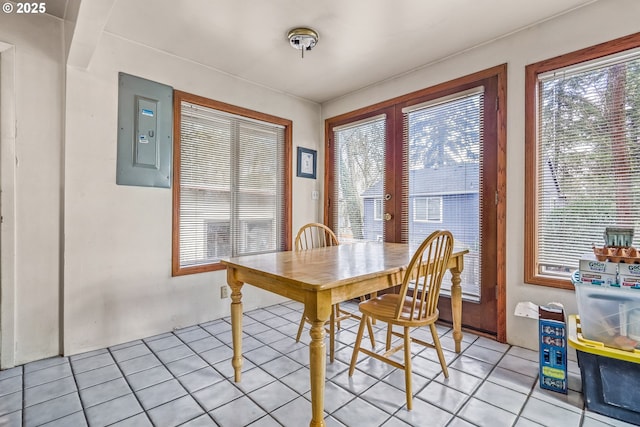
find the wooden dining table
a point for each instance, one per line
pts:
(320, 278)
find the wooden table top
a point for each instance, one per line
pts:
(330, 267)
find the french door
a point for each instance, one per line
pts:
(422, 162)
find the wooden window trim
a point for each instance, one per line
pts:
(532, 71)
(178, 97)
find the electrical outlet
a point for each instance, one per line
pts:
(224, 291)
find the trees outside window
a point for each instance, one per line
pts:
(583, 155)
(360, 155)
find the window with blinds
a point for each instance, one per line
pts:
(587, 158)
(359, 180)
(443, 148)
(427, 209)
(229, 186)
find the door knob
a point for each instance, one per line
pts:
(387, 216)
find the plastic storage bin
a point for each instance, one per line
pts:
(609, 314)
(610, 377)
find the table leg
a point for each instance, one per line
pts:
(317, 358)
(318, 312)
(236, 323)
(456, 307)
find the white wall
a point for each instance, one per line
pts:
(30, 296)
(597, 23)
(118, 283)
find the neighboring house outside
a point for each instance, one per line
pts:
(439, 198)
(446, 198)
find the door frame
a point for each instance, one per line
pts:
(7, 205)
(394, 234)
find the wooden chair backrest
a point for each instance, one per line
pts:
(315, 235)
(425, 272)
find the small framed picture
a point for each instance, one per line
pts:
(306, 163)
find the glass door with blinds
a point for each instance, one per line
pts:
(420, 164)
(359, 180)
(443, 149)
(443, 153)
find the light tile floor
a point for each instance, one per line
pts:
(184, 378)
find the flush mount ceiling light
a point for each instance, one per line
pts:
(302, 39)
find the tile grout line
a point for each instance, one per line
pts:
(359, 395)
(456, 357)
(529, 394)
(101, 383)
(484, 380)
(277, 380)
(73, 375)
(300, 395)
(189, 393)
(224, 378)
(22, 411)
(162, 363)
(124, 377)
(24, 388)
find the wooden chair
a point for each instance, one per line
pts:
(410, 309)
(316, 235)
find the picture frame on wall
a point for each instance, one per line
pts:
(307, 163)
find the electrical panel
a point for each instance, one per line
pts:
(145, 125)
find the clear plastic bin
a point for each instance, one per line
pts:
(609, 314)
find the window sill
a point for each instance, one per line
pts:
(177, 271)
(548, 281)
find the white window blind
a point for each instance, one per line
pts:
(588, 159)
(231, 195)
(359, 174)
(443, 148)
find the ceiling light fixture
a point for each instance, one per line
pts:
(302, 39)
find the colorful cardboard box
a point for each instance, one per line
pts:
(597, 272)
(629, 274)
(553, 348)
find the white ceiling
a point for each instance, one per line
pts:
(362, 42)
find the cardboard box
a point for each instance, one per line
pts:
(629, 269)
(629, 274)
(629, 281)
(597, 272)
(553, 348)
(598, 279)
